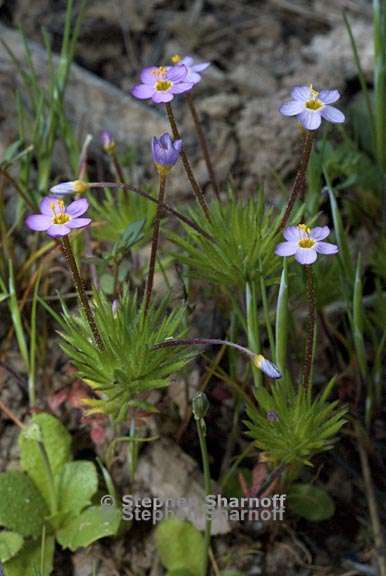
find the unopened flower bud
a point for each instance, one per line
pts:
(200, 405)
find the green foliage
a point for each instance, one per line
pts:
(51, 498)
(57, 449)
(310, 502)
(304, 426)
(242, 245)
(33, 559)
(128, 365)
(92, 524)
(10, 544)
(22, 508)
(118, 214)
(185, 555)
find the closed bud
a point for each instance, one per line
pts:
(200, 405)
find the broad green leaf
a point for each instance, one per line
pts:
(188, 549)
(180, 572)
(10, 544)
(91, 525)
(57, 444)
(22, 508)
(311, 502)
(28, 561)
(76, 485)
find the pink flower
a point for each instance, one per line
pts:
(162, 83)
(56, 219)
(194, 70)
(305, 243)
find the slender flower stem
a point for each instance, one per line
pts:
(154, 243)
(300, 179)
(185, 161)
(310, 328)
(70, 259)
(165, 207)
(203, 143)
(170, 343)
(119, 174)
(201, 429)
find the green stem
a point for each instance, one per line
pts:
(201, 429)
(70, 259)
(300, 179)
(203, 143)
(154, 243)
(119, 174)
(185, 161)
(267, 315)
(252, 325)
(307, 380)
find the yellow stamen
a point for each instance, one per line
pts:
(176, 58)
(61, 217)
(314, 103)
(160, 72)
(305, 228)
(306, 243)
(163, 85)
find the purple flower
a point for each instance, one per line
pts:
(107, 141)
(194, 70)
(272, 416)
(162, 83)
(56, 219)
(165, 152)
(72, 187)
(305, 243)
(269, 368)
(310, 106)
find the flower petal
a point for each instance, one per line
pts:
(292, 233)
(291, 108)
(46, 205)
(286, 249)
(306, 255)
(142, 91)
(187, 61)
(329, 96)
(326, 248)
(77, 208)
(301, 93)
(332, 114)
(38, 222)
(159, 97)
(180, 87)
(78, 222)
(148, 75)
(270, 369)
(319, 232)
(193, 77)
(310, 119)
(200, 67)
(177, 146)
(56, 230)
(177, 73)
(63, 188)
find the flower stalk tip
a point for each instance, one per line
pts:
(305, 243)
(310, 106)
(71, 187)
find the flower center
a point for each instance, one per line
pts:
(160, 72)
(306, 243)
(314, 103)
(59, 217)
(163, 85)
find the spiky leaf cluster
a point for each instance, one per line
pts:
(301, 426)
(241, 247)
(128, 367)
(116, 213)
